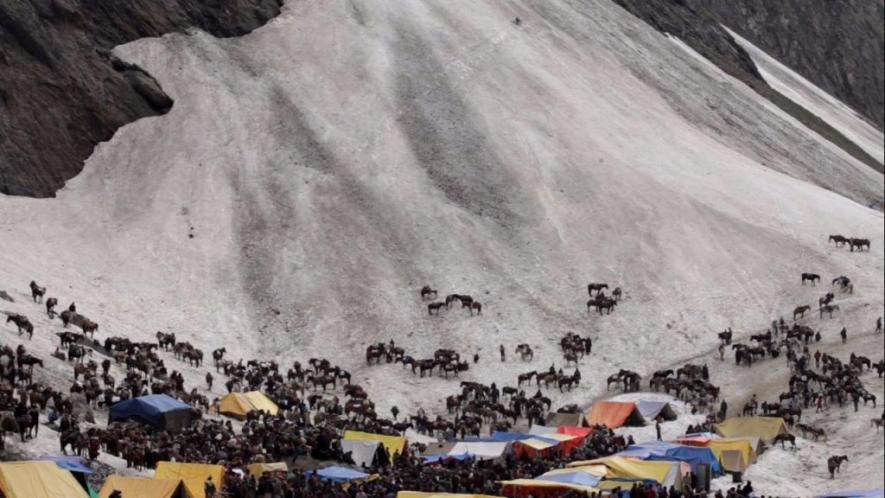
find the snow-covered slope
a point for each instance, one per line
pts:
(331, 163)
(805, 93)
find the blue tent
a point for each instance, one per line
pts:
(445, 456)
(671, 452)
(339, 474)
(869, 493)
(651, 410)
(71, 463)
(158, 410)
(578, 477)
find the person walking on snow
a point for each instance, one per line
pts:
(844, 335)
(658, 428)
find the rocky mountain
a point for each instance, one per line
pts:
(61, 92)
(836, 45)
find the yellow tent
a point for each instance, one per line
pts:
(666, 473)
(733, 461)
(239, 404)
(193, 475)
(394, 444)
(743, 445)
(258, 469)
(416, 494)
(38, 479)
(137, 487)
(765, 428)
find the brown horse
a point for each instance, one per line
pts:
(860, 244)
(37, 292)
(435, 307)
(834, 464)
(427, 292)
(800, 311)
(22, 323)
(595, 287)
(814, 278)
(783, 439)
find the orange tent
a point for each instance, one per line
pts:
(575, 431)
(614, 414)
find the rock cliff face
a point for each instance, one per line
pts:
(62, 92)
(838, 45)
(694, 22)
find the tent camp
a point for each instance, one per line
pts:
(614, 414)
(651, 410)
(393, 444)
(660, 451)
(138, 487)
(765, 428)
(38, 479)
(565, 419)
(238, 405)
(192, 475)
(480, 450)
(157, 410)
(362, 452)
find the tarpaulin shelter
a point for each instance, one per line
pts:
(567, 419)
(257, 470)
(38, 479)
(339, 474)
(238, 405)
(534, 488)
(869, 493)
(765, 428)
(614, 414)
(138, 487)
(733, 461)
(534, 447)
(418, 494)
(157, 410)
(70, 463)
(719, 447)
(651, 410)
(192, 475)
(581, 432)
(361, 452)
(661, 451)
(481, 450)
(393, 444)
(665, 473)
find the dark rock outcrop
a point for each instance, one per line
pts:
(838, 45)
(690, 21)
(61, 92)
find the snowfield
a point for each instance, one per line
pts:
(315, 174)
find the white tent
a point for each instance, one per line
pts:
(362, 452)
(480, 450)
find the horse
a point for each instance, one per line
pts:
(29, 361)
(525, 377)
(218, 354)
(435, 307)
(37, 292)
(617, 294)
(827, 299)
(859, 244)
(829, 309)
(451, 298)
(166, 341)
(814, 278)
(568, 382)
(834, 464)
(67, 316)
(571, 357)
(51, 303)
(800, 311)
(525, 352)
(839, 240)
(842, 280)
(88, 326)
(427, 292)
(783, 439)
(878, 423)
(725, 337)
(595, 287)
(22, 323)
(475, 306)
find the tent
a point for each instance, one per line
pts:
(480, 450)
(157, 410)
(765, 428)
(733, 461)
(614, 414)
(651, 410)
(192, 475)
(536, 488)
(339, 474)
(362, 452)
(565, 419)
(660, 451)
(581, 432)
(584, 476)
(238, 405)
(440, 457)
(417, 494)
(719, 447)
(665, 473)
(38, 479)
(393, 444)
(137, 487)
(259, 469)
(869, 493)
